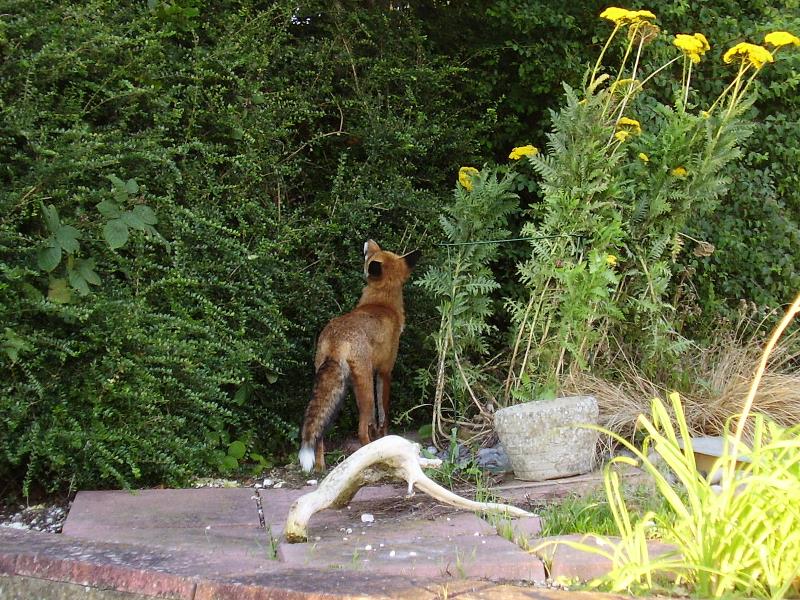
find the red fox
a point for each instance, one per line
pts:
(359, 349)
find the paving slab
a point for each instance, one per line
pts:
(224, 543)
(568, 563)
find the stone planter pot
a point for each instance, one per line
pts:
(544, 439)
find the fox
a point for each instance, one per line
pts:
(358, 350)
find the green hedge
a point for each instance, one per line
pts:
(213, 170)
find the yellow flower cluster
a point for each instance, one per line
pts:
(679, 172)
(623, 16)
(611, 260)
(627, 127)
(465, 175)
(693, 46)
(643, 157)
(756, 55)
(781, 38)
(521, 151)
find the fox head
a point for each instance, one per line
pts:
(382, 267)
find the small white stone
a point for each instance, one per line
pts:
(268, 483)
(311, 482)
(368, 547)
(367, 518)
(258, 486)
(381, 545)
(392, 553)
(412, 553)
(348, 530)
(344, 539)
(278, 485)
(476, 534)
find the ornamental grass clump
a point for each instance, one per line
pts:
(735, 530)
(624, 174)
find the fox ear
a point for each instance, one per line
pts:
(370, 247)
(375, 268)
(412, 258)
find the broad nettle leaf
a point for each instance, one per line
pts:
(77, 281)
(131, 220)
(109, 210)
(50, 216)
(116, 233)
(145, 214)
(68, 237)
(48, 257)
(59, 291)
(131, 186)
(120, 191)
(86, 269)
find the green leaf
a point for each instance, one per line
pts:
(50, 216)
(49, 257)
(86, 269)
(59, 292)
(116, 233)
(145, 214)
(237, 449)
(228, 463)
(13, 345)
(132, 220)
(109, 209)
(131, 186)
(116, 182)
(77, 281)
(425, 431)
(68, 237)
(243, 393)
(120, 191)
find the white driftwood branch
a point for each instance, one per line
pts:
(390, 456)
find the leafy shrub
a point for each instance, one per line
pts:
(179, 181)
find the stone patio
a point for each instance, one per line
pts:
(215, 543)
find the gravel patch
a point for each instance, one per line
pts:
(38, 517)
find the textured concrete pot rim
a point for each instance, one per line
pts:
(538, 405)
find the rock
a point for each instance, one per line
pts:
(494, 459)
(367, 518)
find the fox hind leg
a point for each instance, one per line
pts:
(364, 389)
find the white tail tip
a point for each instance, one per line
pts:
(307, 458)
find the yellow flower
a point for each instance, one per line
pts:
(781, 38)
(521, 151)
(631, 125)
(623, 16)
(643, 157)
(465, 175)
(622, 135)
(693, 46)
(621, 83)
(678, 172)
(758, 56)
(611, 260)
(704, 41)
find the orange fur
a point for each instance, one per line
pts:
(359, 347)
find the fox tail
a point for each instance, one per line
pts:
(330, 388)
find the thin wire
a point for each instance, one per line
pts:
(525, 239)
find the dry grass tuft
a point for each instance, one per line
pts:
(720, 379)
